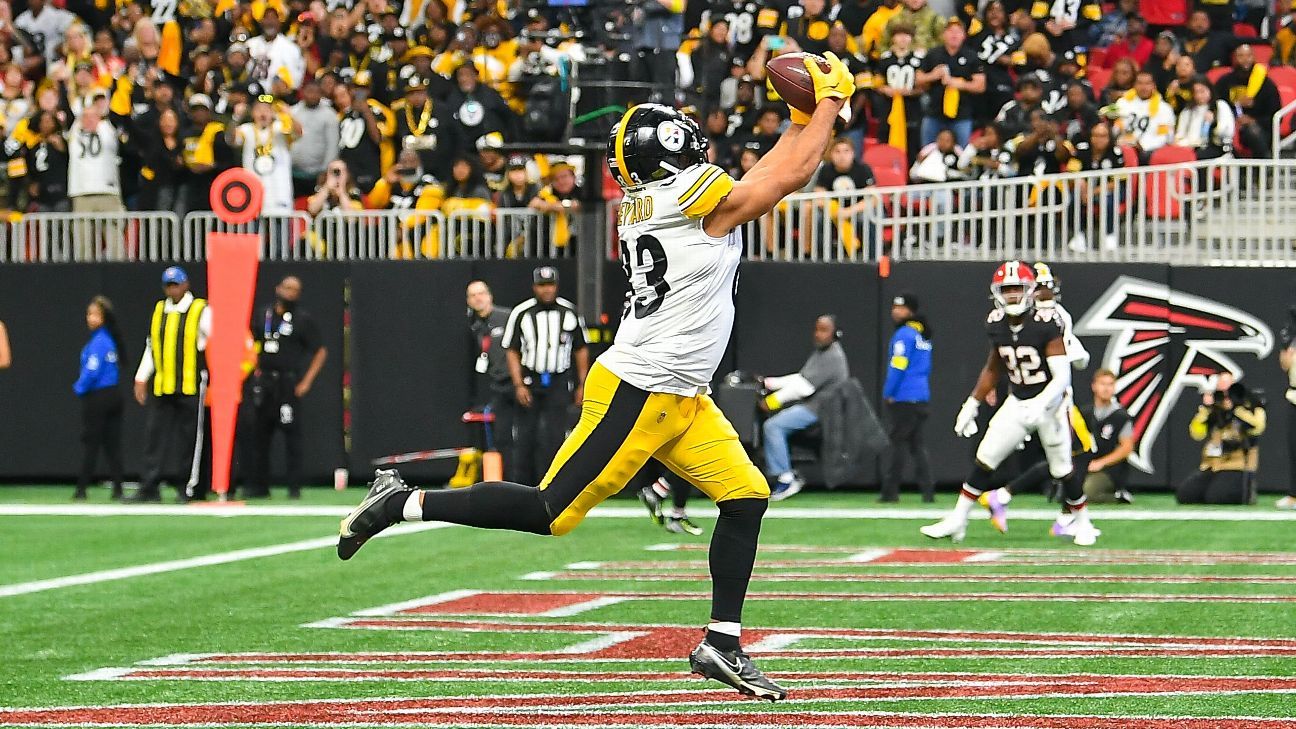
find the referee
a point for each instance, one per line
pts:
(291, 358)
(544, 337)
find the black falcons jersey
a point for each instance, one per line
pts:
(1022, 349)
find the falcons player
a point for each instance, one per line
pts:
(1027, 344)
(1048, 295)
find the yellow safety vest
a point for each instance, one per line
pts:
(176, 359)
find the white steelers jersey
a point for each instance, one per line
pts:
(680, 308)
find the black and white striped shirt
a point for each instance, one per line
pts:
(545, 335)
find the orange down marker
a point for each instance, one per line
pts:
(232, 260)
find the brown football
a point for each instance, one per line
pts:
(788, 75)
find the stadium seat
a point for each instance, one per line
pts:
(1131, 155)
(1164, 190)
(1172, 154)
(1244, 30)
(1096, 56)
(1218, 72)
(1282, 76)
(1098, 78)
(1263, 54)
(890, 166)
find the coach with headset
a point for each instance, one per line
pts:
(793, 401)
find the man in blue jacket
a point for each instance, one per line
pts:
(906, 394)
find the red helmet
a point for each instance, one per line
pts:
(1013, 276)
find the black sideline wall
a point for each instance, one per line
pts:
(409, 349)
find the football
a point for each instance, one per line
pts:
(788, 75)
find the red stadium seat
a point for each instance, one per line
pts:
(1282, 76)
(1263, 54)
(1098, 78)
(890, 166)
(1131, 155)
(1244, 30)
(1218, 72)
(1172, 154)
(1164, 190)
(1096, 56)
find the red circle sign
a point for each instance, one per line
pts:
(236, 196)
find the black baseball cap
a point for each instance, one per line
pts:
(906, 300)
(544, 275)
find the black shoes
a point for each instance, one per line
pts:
(370, 517)
(736, 669)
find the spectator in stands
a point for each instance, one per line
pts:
(335, 190)
(164, 171)
(1113, 432)
(843, 174)
(46, 25)
(206, 152)
(710, 59)
(657, 32)
(1254, 98)
(1096, 198)
(490, 159)
(939, 162)
(1206, 125)
(427, 126)
(955, 78)
(265, 143)
(365, 126)
(766, 133)
(561, 200)
(1112, 27)
(809, 28)
(720, 149)
(985, 158)
(1219, 12)
(926, 23)
(480, 109)
(274, 56)
(47, 166)
(98, 388)
(406, 185)
(1015, 115)
(1284, 41)
(1080, 113)
(1179, 91)
(1041, 149)
(1121, 81)
(996, 44)
(873, 40)
(1133, 44)
(898, 103)
(1208, 47)
(93, 182)
(1229, 422)
(1144, 119)
(1164, 60)
(747, 159)
(1066, 23)
(318, 145)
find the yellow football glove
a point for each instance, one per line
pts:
(798, 116)
(836, 83)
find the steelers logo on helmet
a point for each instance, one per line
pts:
(652, 143)
(671, 136)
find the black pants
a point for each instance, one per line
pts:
(1214, 487)
(1291, 449)
(906, 433)
(275, 407)
(1038, 474)
(540, 430)
(101, 428)
(505, 409)
(1256, 138)
(171, 435)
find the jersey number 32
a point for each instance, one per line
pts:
(644, 261)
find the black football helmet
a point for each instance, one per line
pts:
(653, 143)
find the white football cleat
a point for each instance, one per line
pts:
(1286, 503)
(951, 527)
(1085, 534)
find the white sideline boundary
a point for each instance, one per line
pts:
(176, 565)
(777, 511)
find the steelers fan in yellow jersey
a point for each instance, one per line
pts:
(646, 397)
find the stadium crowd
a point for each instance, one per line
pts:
(362, 104)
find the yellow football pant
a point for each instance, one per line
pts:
(621, 427)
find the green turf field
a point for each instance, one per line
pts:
(200, 616)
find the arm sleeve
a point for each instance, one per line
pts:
(579, 338)
(1056, 389)
(145, 369)
(89, 363)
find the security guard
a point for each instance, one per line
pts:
(906, 394)
(544, 338)
(174, 360)
(290, 360)
(491, 386)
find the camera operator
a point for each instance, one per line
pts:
(658, 26)
(1229, 420)
(1287, 360)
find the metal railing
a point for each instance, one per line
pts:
(1283, 141)
(1224, 211)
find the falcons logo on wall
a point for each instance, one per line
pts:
(1147, 325)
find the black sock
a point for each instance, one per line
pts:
(733, 554)
(722, 641)
(679, 494)
(488, 505)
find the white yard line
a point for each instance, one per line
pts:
(175, 565)
(777, 511)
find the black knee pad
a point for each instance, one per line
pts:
(981, 479)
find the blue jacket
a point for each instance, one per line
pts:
(910, 366)
(98, 364)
